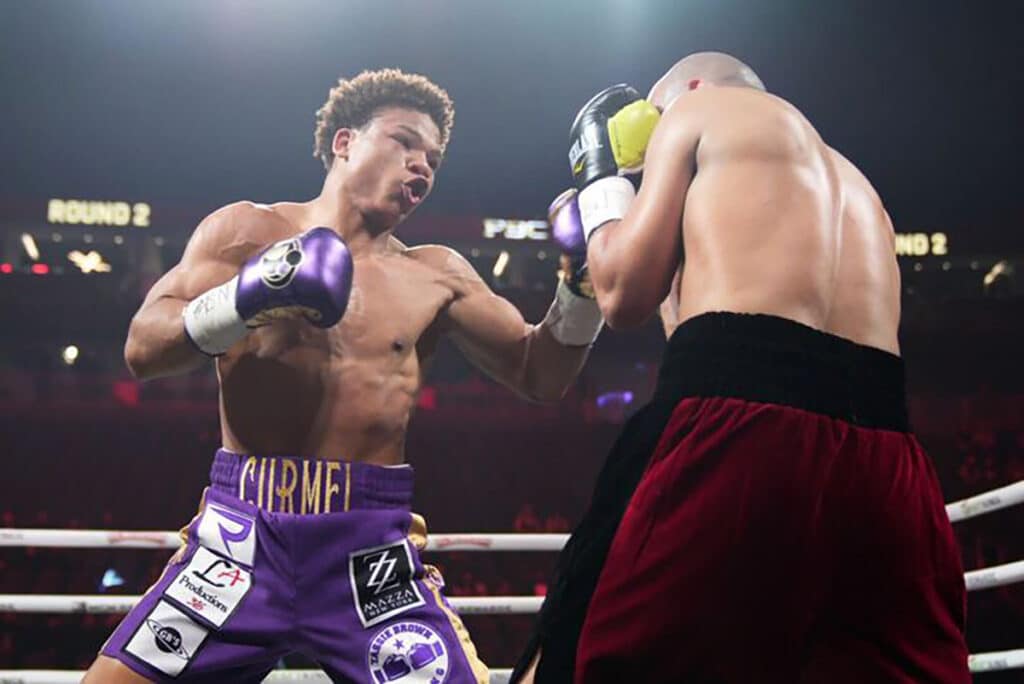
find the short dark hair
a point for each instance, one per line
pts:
(353, 102)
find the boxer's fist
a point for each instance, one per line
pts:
(610, 134)
(567, 230)
(308, 276)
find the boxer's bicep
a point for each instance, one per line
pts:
(633, 261)
(487, 328)
(218, 246)
(156, 343)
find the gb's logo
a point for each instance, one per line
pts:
(280, 262)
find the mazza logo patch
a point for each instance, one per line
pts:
(382, 584)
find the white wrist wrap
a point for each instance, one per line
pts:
(604, 200)
(573, 320)
(211, 320)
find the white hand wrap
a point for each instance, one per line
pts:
(211, 320)
(604, 200)
(573, 320)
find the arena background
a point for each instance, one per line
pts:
(162, 112)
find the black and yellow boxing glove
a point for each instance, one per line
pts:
(608, 140)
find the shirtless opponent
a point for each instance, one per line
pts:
(769, 516)
(323, 326)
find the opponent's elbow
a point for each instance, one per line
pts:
(623, 313)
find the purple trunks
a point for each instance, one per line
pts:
(299, 556)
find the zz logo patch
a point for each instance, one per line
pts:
(382, 584)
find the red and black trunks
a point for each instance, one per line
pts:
(767, 518)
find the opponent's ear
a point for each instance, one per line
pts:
(343, 138)
(694, 84)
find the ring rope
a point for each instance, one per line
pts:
(995, 576)
(985, 578)
(975, 580)
(126, 539)
(91, 603)
(978, 663)
(986, 502)
(498, 676)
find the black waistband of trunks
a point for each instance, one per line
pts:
(774, 360)
(288, 484)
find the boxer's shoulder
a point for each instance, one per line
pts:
(447, 265)
(438, 256)
(248, 222)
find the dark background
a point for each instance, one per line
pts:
(191, 105)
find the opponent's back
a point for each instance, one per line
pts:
(866, 299)
(775, 222)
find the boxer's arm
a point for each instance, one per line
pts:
(632, 262)
(495, 338)
(156, 344)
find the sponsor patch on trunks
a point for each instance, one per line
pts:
(382, 584)
(229, 533)
(210, 587)
(167, 639)
(408, 652)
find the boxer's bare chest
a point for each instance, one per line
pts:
(395, 301)
(349, 389)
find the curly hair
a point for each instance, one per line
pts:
(353, 102)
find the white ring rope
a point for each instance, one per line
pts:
(90, 603)
(986, 578)
(975, 580)
(986, 502)
(124, 539)
(995, 576)
(73, 677)
(996, 660)
(979, 662)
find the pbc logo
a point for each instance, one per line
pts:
(280, 262)
(382, 584)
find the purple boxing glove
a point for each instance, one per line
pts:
(308, 276)
(574, 318)
(567, 231)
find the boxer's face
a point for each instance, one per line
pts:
(390, 163)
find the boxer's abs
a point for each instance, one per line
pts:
(312, 399)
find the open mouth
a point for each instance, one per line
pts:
(415, 190)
